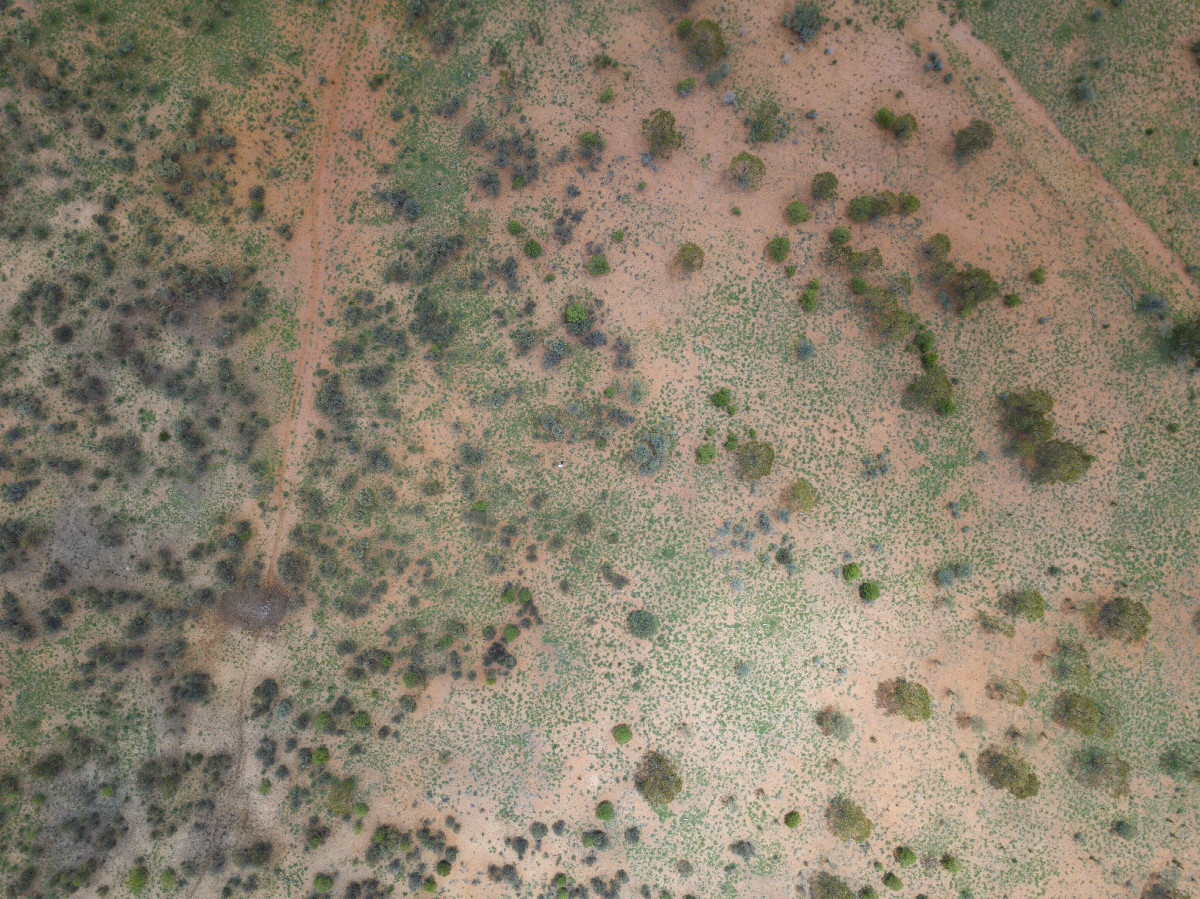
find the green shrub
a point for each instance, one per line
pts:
(951, 863)
(908, 204)
(1028, 604)
(605, 811)
(904, 126)
(905, 697)
(1122, 618)
(622, 733)
(597, 265)
(533, 249)
(800, 496)
(1070, 663)
(1060, 462)
(976, 136)
(796, 212)
(1038, 275)
(444, 868)
(690, 257)
(656, 779)
(827, 886)
(971, 286)
(515, 228)
(747, 171)
(136, 880)
(764, 123)
(851, 571)
(705, 43)
(1181, 760)
(1004, 770)
(805, 19)
(791, 819)
(847, 820)
(1183, 340)
(607, 95)
(1009, 691)
(686, 86)
(722, 398)
(1100, 769)
(706, 454)
(870, 207)
(755, 459)
(808, 299)
(824, 186)
(892, 882)
(839, 236)
(1123, 829)
(868, 591)
(778, 249)
(323, 883)
(591, 144)
(1012, 300)
(905, 857)
(642, 623)
(834, 723)
(660, 134)
(884, 117)
(931, 392)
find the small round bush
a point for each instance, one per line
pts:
(706, 454)
(792, 820)
(868, 591)
(323, 883)
(825, 186)
(622, 733)
(796, 212)
(533, 249)
(1122, 618)
(847, 820)
(515, 228)
(951, 863)
(705, 43)
(851, 571)
(660, 133)
(892, 882)
(136, 880)
(597, 265)
(800, 496)
(747, 171)
(755, 459)
(642, 624)
(1004, 770)
(839, 236)
(656, 779)
(1124, 829)
(1038, 275)
(605, 811)
(690, 257)
(905, 857)
(834, 723)
(778, 249)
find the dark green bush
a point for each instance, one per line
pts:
(796, 212)
(705, 43)
(1004, 770)
(642, 623)
(778, 249)
(871, 207)
(1100, 769)
(747, 171)
(905, 697)
(827, 886)
(805, 19)
(755, 459)
(1122, 618)
(824, 186)
(1078, 713)
(976, 136)
(868, 591)
(847, 820)
(764, 123)
(660, 134)
(690, 257)
(932, 392)
(1060, 462)
(656, 779)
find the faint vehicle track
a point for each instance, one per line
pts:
(311, 279)
(1065, 168)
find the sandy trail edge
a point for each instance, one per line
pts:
(311, 347)
(313, 340)
(1062, 164)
